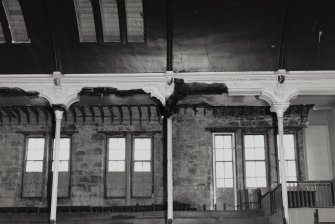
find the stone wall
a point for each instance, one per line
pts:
(192, 147)
(88, 156)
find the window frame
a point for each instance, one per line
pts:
(294, 133)
(266, 157)
(44, 166)
(108, 136)
(132, 162)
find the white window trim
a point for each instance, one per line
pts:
(234, 166)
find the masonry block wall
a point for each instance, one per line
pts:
(193, 150)
(88, 155)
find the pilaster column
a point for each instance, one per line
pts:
(169, 172)
(280, 108)
(58, 116)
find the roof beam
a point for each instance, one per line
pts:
(102, 113)
(5, 24)
(35, 111)
(140, 113)
(110, 108)
(26, 112)
(82, 110)
(18, 114)
(121, 114)
(97, 21)
(121, 6)
(74, 114)
(91, 108)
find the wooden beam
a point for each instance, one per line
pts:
(121, 7)
(102, 113)
(26, 112)
(82, 110)
(110, 108)
(8, 113)
(1, 120)
(97, 21)
(45, 113)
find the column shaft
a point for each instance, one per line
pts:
(169, 171)
(58, 115)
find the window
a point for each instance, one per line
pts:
(64, 155)
(223, 149)
(290, 159)
(35, 155)
(142, 155)
(85, 20)
(135, 22)
(103, 18)
(16, 21)
(33, 183)
(255, 161)
(2, 37)
(117, 155)
(63, 166)
(129, 156)
(110, 20)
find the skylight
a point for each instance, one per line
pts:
(16, 22)
(85, 19)
(110, 20)
(135, 25)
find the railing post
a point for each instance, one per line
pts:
(316, 216)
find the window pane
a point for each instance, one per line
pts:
(34, 166)
(16, 21)
(85, 19)
(261, 181)
(227, 155)
(110, 20)
(219, 170)
(117, 143)
(117, 154)
(63, 166)
(259, 141)
(229, 182)
(135, 24)
(142, 154)
(220, 183)
(228, 169)
(36, 143)
(260, 169)
(116, 166)
(289, 140)
(227, 141)
(142, 167)
(259, 154)
(250, 169)
(289, 153)
(291, 168)
(219, 155)
(251, 182)
(218, 140)
(249, 154)
(249, 141)
(142, 143)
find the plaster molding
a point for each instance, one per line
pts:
(64, 88)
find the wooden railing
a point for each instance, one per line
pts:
(310, 194)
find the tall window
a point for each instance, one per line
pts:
(64, 155)
(16, 21)
(255, 161)
(110, 20)
(116, 155)
(290, 158)
(223, 149)
(35, 155)
(135, 24)
(142, 155)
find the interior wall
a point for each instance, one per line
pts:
(317, 138)
(87, 161)
(332, 139)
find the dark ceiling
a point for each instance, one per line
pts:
(211, 35)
